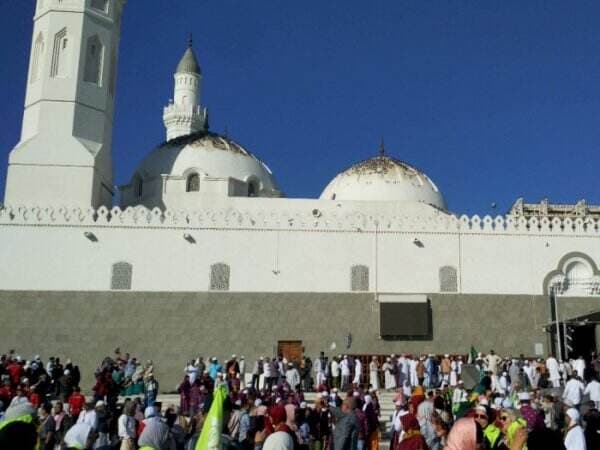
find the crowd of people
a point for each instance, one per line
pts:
(516, 403)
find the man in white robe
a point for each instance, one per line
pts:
(573, 392)
(553, 371)
(414, 380)
(357, 372)
(579, 366)
(574, 438)
(593, 390)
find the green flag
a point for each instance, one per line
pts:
(472, 355)
(210, 437)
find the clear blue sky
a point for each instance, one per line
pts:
(492, 99)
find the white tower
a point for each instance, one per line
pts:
(184, 115)
(64, 155)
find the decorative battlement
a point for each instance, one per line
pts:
(228, 218)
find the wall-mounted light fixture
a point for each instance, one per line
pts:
(418, 243)
(188, 237)
(91, 236)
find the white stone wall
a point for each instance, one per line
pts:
(295, 246)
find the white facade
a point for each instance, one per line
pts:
(281, 245)
(202, 213)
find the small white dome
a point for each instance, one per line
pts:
(384, 179)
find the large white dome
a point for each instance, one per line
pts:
(384, 179)
(220, 165)
(211, 155)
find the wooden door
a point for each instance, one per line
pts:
(290, 350)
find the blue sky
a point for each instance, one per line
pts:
(492, 99)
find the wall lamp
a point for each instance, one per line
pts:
(91, 236)
(188, 237)
(418, 243)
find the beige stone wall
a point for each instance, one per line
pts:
(170, 328)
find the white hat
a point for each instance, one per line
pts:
(461, 382)
(257, 402)
(506, 403)
(524, 396)
(573, 414)
(446, 355)
(233, 356)
(99, 403)
(67, 372)
(303, 405)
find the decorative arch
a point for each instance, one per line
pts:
(448, 279)
(94, 60)
(121, 275)
(60, 53)
(36, 60)
(359, 278)
(576, 275)
(219, 277)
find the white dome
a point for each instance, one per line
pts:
(210, 155)
(384, 179)
(215, 159)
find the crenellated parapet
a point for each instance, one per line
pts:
(310, 220)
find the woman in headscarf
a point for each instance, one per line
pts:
(463, 435)
(80, 437)
(416, 398)
(184, 390)
(411, 437)
(514, 429)
(154, 436)
(372, 423)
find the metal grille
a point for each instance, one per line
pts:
(448, 279)
(121, 276)
(359, 278)
(219, 277)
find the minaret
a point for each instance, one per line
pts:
(64, 155)
(184, 114)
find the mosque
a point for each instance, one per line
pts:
(204, 254)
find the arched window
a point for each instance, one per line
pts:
(94, 57)
(193, 183)
(60, 55)
(448, 279)
(219, 277)
(359, 278)
(252, 189)
(138, 186)
(120, 278)
(36, 59)
(101, 5)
